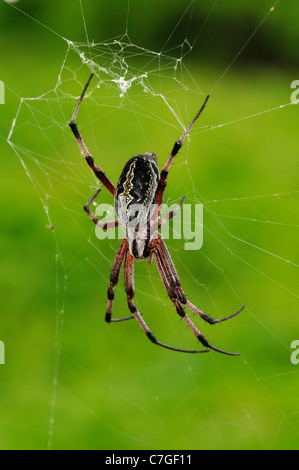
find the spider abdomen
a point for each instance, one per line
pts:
(135, 198)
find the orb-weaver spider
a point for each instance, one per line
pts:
(141, 183)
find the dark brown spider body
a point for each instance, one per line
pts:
(134, 201)
(137, 198)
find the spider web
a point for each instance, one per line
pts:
(248, 255)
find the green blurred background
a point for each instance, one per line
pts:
(70, 380)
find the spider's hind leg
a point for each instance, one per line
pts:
(89, 159)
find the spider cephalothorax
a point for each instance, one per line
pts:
(137, 199)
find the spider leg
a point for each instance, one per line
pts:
(96, 169)
(171, 282)
(155, 225)
(178, 144)
(129, 285)
(208, 318)
(171, 213)
(106, 225)
(181, 295)
(118, 261)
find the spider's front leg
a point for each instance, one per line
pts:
(181, 294)
(175, 292)
(114, 276)
(129, 285)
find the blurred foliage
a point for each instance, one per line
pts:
(219, 28)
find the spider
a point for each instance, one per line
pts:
(137, 199)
